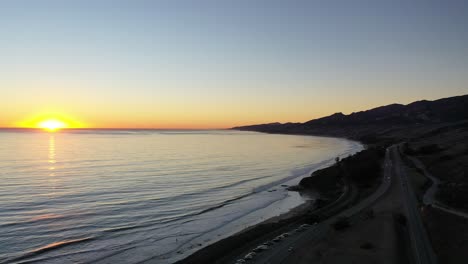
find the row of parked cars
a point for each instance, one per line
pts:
(265, 246)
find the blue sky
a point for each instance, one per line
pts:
(225, 63)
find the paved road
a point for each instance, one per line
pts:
(279, 252)
(429, 196)
(421, 246)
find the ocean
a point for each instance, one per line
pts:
(145, 196)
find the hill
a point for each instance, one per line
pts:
(391, 122)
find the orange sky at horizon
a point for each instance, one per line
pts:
(208, 117)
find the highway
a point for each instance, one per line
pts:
(421, 246)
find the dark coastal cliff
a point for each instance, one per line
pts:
(390, 121)
(362, 169)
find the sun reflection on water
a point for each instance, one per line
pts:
(52, 180)
(52, 155)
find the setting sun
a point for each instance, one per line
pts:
(50, 121)
(52, 125)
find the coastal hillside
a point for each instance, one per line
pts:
(435, 137)
(390, 121)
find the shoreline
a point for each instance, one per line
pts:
(245, 238)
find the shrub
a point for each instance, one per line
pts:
(429, 149)
(400, 218)
(370, 213)
(341, 224)
(446, 157)
(367, 245)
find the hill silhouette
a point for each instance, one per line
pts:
(394, 121)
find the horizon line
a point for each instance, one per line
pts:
(109, 128)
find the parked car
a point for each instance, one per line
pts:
(250, 256)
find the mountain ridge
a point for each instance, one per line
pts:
(389, 121)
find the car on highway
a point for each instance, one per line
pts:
(250, 255)
(261, 248)
(277, 239)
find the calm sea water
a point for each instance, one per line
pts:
(144, 196)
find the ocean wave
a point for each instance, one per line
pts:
(46, 248)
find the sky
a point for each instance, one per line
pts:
(218, 64)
